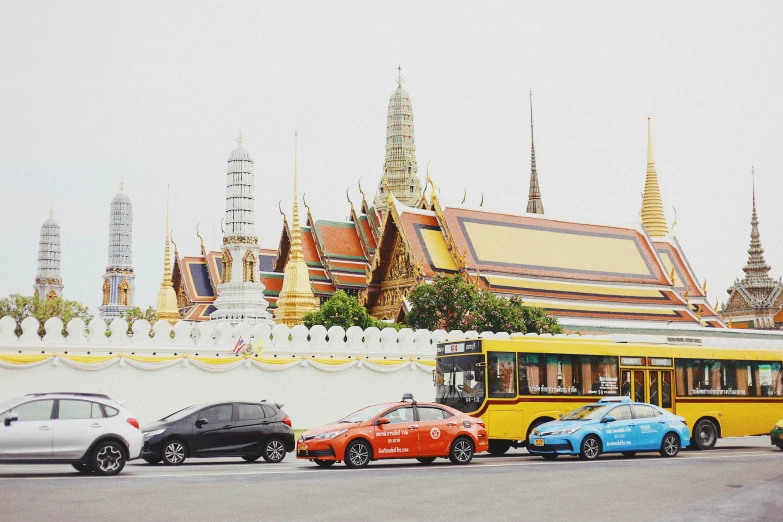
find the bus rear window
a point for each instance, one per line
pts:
(554, 374)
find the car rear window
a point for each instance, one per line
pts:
(431, 413)
(250, 412)
(71, 409)
(644, 412)
(270, 411)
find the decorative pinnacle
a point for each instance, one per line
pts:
(534, 203)
(756, 270)
(240, 139)
(652, 206)
(122, 185)
(51, 211)
(399, 76)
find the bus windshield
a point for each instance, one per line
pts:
(460, 381)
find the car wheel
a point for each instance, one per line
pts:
(670, 446)
(274, 451)
(174, 453)
(251, 458)
(357, 454)
(705, 434)
(590, 448)
(629, 454)
(151, 460)
(549, 456)
(82, 468)
(108, 458)
(461, 451)
(325, 463)
(499, 447)
(426, 460)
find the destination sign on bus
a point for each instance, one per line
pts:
(459, 347)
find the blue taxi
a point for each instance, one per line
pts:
(612, 425)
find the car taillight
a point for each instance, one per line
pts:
(287, 421)
(133, 422)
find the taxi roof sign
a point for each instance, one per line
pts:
(623, 399)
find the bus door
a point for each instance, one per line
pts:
(648, 379)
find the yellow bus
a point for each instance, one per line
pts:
(516, 384)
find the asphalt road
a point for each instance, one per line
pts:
(740, 480)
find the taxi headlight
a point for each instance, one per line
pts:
(536, 433)
(567, 431)
(330, 434)
(150, 434)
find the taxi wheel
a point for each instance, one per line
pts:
(705, 434)
(461, 451)
(426, 460)
(629, 454)
(325, 463)
(591, 448)
(670, 446)
(274, 451)
(357, 454)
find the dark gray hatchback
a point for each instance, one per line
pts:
(250, 430)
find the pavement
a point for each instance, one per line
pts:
(742, 479)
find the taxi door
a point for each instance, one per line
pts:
(622, 434)
(437, 429)
(650, 424)
(399, 438)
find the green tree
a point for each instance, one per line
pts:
(20, 307)
(340, 310)
(135, 313)
(453, 303)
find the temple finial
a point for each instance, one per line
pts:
(399, 76)
(652, 206)
(240, 139)
(464, 195)
(51, 211)
(122, 185)
(534, 203)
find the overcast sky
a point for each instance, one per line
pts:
(156, 92)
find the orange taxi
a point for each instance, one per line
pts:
(396, 430)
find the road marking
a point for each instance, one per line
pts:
(404, 467)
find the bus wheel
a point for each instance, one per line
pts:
(705, 434)
(499, 447)
(590, 448)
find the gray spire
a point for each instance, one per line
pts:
(534, 203)
(119, 280)
(48, 281)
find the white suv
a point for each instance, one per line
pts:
(87, 430)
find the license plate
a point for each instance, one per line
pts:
(303, 447)
(538, 442)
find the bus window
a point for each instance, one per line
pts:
(599, 375)
(500, 373)
(699, 377)
(666, 389)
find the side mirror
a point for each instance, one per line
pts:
(11, 417)
(382, 420)
(201, 422)
(608, 418)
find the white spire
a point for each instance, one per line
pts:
(118, 281)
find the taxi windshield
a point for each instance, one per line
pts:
(364, 414)
(589, 412)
